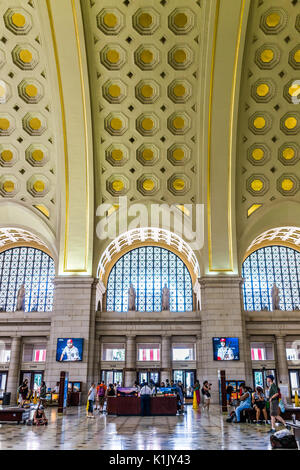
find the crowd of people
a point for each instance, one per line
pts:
(98, 394)
(27, 398)
(260, 400)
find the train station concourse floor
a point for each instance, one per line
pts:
(195, 430)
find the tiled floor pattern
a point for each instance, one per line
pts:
(194, 430)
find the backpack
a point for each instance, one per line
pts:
(231, 417)
(101, 391)
(283, 440)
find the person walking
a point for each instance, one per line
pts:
(274, 403)
(197, 392)
(91, 399)
(180, 397)
(43, 393)
(206, 394)
(23, 391)
(101, 395)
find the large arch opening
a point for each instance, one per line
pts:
(272, 258)
(25, 260)
(149, 269)
(149, 258)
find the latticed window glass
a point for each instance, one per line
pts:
(149, 268)
(263, 268)
(31, 267)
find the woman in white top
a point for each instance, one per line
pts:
(91, 399)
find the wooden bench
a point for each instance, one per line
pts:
(12, 415)
(250, 414)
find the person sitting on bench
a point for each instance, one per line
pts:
(245, 402)
(259, 403)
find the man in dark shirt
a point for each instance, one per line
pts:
(274, 403)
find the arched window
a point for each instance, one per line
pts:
(263, 268)
(148, 268)
(31, 267)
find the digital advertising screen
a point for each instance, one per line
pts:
(226, 349)
(126, 392)
(69, 349)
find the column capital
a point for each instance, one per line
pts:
(220, 280)
(16, 337)
(280, 336)
(166, 336)
(74, 281)
(130, 336)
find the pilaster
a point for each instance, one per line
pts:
(73, 316)
(221, 315)
(130, 369)
(14, 368)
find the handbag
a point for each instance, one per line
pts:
(281, 406)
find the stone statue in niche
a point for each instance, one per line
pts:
(21, 299)
(131, 298)
(165, 298)
(275, 297)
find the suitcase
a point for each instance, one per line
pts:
(283, 440)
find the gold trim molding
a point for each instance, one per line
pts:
(231, 143)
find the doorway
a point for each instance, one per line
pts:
(260, 377)
(149, 376)
(3, 382)
(187, 377)
(294, 381)
(112, 377)
(34, 379)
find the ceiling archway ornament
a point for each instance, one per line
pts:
(286, 236)
(14, 237)
(147, 236)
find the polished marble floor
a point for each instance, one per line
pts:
(193, 430)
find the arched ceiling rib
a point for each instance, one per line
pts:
(129, 240)
(288, 236)
(12, 237)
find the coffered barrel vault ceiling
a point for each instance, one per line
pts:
(268, 166)
(143, 60)
(27, 141)
(188, 104)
